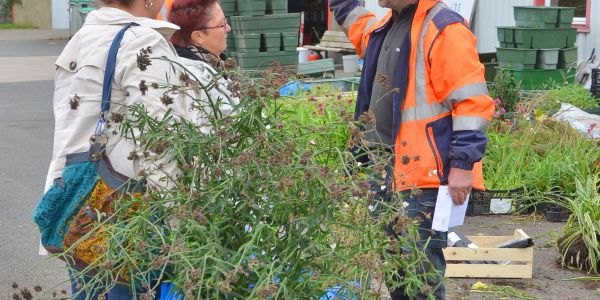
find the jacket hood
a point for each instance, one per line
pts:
(115, 16)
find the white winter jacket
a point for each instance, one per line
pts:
(79, 78)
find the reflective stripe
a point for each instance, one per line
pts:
(353, 17)
(422, 109)
(466, 92)
(469, 123)
(164, 13)
(357, 13)
(422, 112)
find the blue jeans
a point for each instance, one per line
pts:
(117, 292)
(431, 242)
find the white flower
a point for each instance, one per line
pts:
(371, 208)
(383, 187)
(404, 204)
(359, 164)
(247, 228)
(312, 143)
(333, 246)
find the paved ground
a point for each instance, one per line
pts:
(26, 87)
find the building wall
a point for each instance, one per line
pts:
(36, 12)
(591, 40)
(60, 14)
(490, 14)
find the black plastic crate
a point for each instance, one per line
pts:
(480, 202)
(556, 213)
(595, 88)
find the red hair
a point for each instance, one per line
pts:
(190, 15)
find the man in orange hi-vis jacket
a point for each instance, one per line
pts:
(424, 84)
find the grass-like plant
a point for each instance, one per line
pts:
(268, 203)
(581, 234)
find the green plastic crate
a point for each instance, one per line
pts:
(266, 24)
(247, 42)
(229, 7)
(277, 6)
(522, 59)
(565, 17)
(290, 40)
(316, 67)
(263, 60)
(539, 38)
(540, 79)
(251, 7)
(536, 16)
(506, 34)
(271, 42)
(547, 59)
(568, 58)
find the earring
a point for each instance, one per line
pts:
(148, 3)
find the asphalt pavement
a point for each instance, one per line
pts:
(26, 129)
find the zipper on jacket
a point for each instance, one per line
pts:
(438, 159)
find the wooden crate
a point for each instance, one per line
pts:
(521, 265)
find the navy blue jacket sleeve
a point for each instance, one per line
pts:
(467, 148)
(341, 9)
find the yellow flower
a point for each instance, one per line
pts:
(479, 286)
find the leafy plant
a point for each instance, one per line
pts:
(506, 88)
(574, 94)
(268, 204)
(579, 244)
(6, 9)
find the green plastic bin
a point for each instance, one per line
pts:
(266, 24)
(251, 7)
(271, 42)
(568, 58)
(247, 42)
(539, 38)
(317, 67)
(547, 59)
(540, 79)
(536, 16)
(506, 34)
(512, 58)
(277, 7)
(263, 60)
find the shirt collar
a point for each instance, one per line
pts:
(115, 16)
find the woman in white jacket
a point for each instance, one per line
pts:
(201, 42)
(79, 88)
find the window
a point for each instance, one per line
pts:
(582, 11)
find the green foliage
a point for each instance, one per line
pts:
(268, 198)
(17, 26)
(574, 94)
(543, 156)
(579, 244)
(507, 89)
(6, 8)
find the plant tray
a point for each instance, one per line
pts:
(537, 38)
(248, 42)
(290, 40)
(521, 259)
(317, 67)
(251, 7)
(229, 7)
(547, 59)
(492, 202)
(536, 16)
(522, 59)
(506, 34)
(277, 6)
(263, 60)
(266, 24)
(271, 42)
(541, 79)
(567, 58)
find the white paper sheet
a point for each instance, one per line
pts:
(446, 214)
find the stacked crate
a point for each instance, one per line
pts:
(263, 33)
(541, 48)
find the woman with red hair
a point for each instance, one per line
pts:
(201, 42)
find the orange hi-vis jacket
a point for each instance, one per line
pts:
(164, 11)
(441, 109)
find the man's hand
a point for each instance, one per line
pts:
(459, 184)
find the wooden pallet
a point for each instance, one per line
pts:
(521, 265)
(335, 41)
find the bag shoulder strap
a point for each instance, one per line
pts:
(109, 73)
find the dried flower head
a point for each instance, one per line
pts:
(383, 80)
(143, 87)
(116, 117)
(166, 99)
(143, 58)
